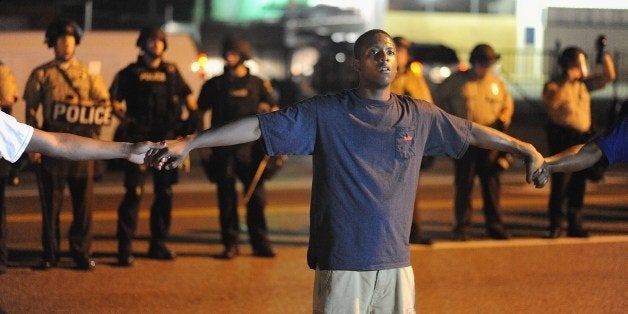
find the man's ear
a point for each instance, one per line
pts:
(356, 65)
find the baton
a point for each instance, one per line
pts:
(256, 179)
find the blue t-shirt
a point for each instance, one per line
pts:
(366, 160)
(614, 145)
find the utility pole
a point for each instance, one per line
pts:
(89, 8)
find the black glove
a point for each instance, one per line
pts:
(600, 44)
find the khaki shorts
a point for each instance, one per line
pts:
(380, 291)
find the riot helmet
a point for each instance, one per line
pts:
(484, 55)
(62, 27)
(153, 32)
(570, 57)
(239, 46)
(573, 57)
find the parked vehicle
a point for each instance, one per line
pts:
(435, 62)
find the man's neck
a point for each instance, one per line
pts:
(151, 61)
(380, 94)
(238, 71)
(64, 59)
(63, 62)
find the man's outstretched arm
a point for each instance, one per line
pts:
(575, 158)
(240, 131)
(485, 137)
(74, 147)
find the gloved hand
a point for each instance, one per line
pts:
(600, 44)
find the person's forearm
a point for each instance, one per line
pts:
(241, 131)
(74, 147)
(575, 158)
(608, 68)
(489, 138)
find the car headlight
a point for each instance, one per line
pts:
(439, 74)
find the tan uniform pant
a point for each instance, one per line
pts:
(380, 291)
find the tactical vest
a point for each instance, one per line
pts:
(74, 113)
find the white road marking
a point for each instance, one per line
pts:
(483, 244)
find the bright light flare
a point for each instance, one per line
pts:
(416, 67)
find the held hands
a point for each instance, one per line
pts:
(542, 176)
(168, 158)
(536, 169)
(138, 151)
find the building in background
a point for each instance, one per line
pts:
(288, 35)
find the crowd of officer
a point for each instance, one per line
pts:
(479, 95)
(149, 96)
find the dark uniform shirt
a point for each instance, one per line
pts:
(154, 98)
(231, 98)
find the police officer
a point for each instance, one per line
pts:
(154, 94)
(8, 97)
(235, 94)
(73, 101)
(569, 111)
(480, 96)
(409, 83)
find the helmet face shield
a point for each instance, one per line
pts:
(574, 57)
(582, 59)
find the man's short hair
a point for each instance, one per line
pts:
(362, 41)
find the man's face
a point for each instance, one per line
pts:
(483, 68)
(65, 47)
(155, 47)
(232, 58)
(402, 57)
(377, 63)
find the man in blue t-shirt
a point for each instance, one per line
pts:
(367, 145)
(611, 148)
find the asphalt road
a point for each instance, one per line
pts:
(526, 274)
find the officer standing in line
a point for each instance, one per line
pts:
(233, 95)
(408, 83)
(8, 97)
(154, 94)
(569, 111)
(481, 97)
(73, 101)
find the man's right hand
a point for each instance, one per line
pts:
(139, 150)
(168, 158)
(542, 176)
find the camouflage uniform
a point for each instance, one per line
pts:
(73, 101)
(8, 96)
